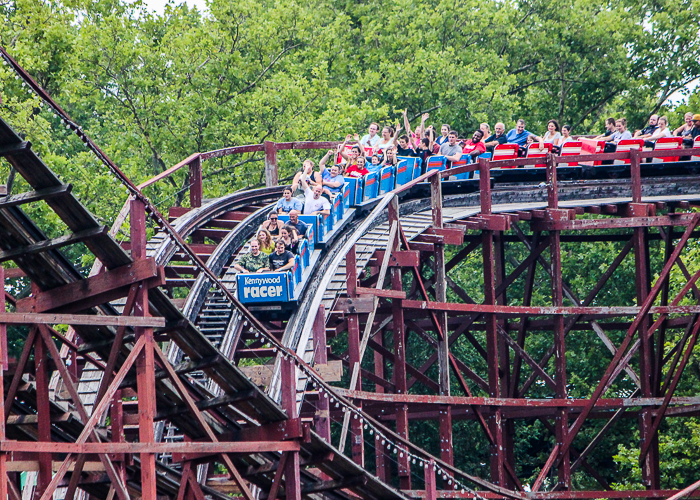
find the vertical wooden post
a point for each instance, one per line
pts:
(145, 362)
(430, 483)
(356, 433)
(117, 417)
(650, 466)
(322, 421)
(552, 190)
(495, 424)
(399, 333)
(636, 176)
(443, 348)
(43, 410)
(270, 164)
(292, 481)
(196, 186)
(3, 367)
(379, 450)
(561, 419)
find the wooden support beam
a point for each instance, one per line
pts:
(95, 290)
(52, 244)
(79, 319)
(31, 196)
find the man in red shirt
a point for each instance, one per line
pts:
(475, 146)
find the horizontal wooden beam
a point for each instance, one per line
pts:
(583, 224)
(52, 244)
(185, 448)
(420, 399)
(80, 319)
(17, 147)
(378, 292)
(95, 290)
(544, 310)
(31, 196)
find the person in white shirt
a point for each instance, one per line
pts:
(371, 139)
(662, 130)
(314, 203)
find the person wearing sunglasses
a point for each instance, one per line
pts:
(272, 224)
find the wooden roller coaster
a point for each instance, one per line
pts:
(147, 396)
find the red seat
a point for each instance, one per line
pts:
(505, 152)
(667, 143)
(696, 144)
(592, 146)
(571, 148)
(535, 151)
(626, 145)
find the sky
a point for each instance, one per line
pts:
(159, 5)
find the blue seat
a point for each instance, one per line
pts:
(386, 179)
(464, 160)
(303, 252)
(371, 186)
(349, 192)
(417, 168)
(404, 170)
(313, 222)
(337, 208)
(435, 163)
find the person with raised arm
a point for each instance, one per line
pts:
(416, 137)
(426, 148)
(314, 177)
(314, 202)
(280, 260)
(252, 261)
(390, 158)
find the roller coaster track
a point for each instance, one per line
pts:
(207, 331)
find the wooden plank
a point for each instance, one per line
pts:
(31, 196)
(170, 171)
(33, 465)
(78, 292)
(262, 374)
(378, 292)
(79, 319)
(46, 245)
(116, 447)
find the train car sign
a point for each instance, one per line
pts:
(266, 287)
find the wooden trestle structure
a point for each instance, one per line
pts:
(93, 411)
